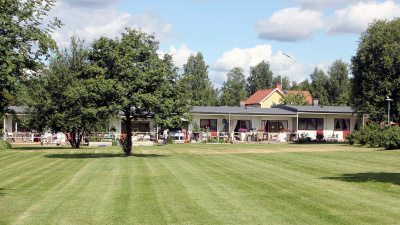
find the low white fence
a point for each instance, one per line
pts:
(31, 137)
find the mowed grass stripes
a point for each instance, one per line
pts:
(201, 184)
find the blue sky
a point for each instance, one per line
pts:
(234, 33)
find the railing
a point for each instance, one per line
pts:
(31, 137)
(242, 137)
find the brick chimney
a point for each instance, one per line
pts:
(315, 102)
(242, 103)
(278, 85)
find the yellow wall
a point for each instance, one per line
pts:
(274, 98)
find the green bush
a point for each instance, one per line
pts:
(376, 135)
(4, 144)
(169, 140)
(391, 138)
(114, 143)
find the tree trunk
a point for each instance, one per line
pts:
(128, 139)
(75, 139)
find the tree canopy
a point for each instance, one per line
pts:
(24, 42)
(67, 96)
(200, 89)
(233, 89)
(144, 84)
(376, 70)
(260, 78)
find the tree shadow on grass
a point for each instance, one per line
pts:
(98, 155)
(84, 155)
(2, 191)
(39, 147)
(382, 177)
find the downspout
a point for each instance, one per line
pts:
(229, 130)
(297, 125)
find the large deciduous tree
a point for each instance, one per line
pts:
(376, 70)
(144, 84)
(234, 89)
(200, 89)
(260, 78)
(24, 41)
(68, 96)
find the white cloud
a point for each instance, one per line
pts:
(355, 18)
(106, 21)
(290, 24)
(180, 55)
(243, 58)
(324, 4)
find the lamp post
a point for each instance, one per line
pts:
(282, 61)
(388, 100)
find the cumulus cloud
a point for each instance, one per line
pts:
(355, 18)
(243, 58)
(290, 25)
(180, 55)
(105, 21)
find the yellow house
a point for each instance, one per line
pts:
(266, 98)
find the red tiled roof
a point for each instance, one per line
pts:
(257, 97)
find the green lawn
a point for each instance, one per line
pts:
(200, 184)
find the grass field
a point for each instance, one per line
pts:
(200, 184)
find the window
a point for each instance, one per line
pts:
(311, 123)
(137, 126)
(242, 124)
(210, 123)
(342, 124)
(275, 126)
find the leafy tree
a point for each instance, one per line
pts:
(144, 84)
(318, 86)
(24, 41)
(294, 99)
(339, 84)
(286, 84)
(234, 89)
(376, 70)
(304, 85)
(260, 78)
(67, 97)
(200, 89)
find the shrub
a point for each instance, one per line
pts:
(114, 142)
(169, 140)
(4, 144)
(391, 138)
(123, 144)
(214, 141)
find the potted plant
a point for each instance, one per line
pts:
(242, 133)
(320, 136)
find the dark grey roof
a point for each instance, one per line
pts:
(240, 110)
(317, 109)
(17, 109)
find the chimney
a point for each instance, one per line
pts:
(242, 103)
(315, 102)
(278, 85)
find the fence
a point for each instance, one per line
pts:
(30, 137)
